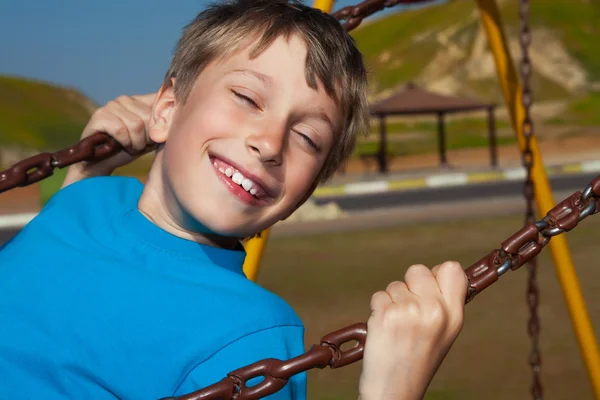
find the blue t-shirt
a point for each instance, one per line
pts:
(97, 302)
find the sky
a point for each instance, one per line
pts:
(103, 48)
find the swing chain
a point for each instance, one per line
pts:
(514, 252)
(532, 286)
(94, 148)
(100, 146)
(354, 15)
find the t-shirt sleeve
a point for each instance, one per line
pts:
(282, 343)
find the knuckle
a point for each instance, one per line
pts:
(451, 266)
(377, 298)
(455, 324)
(123, 99)
(111, 104)
(436, 317)
(378, 295)
(415, 268)
(138, 125)
(395, 287)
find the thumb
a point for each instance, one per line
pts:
(147, 99)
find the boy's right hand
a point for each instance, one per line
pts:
(126, 120)
(411, 329)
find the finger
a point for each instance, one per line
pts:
(142, 110)
(398, 291)
(420, 281)
(103, 121)
(136, 106)
(135, 124)
(379, 301)
(146, 99)
(452, 281)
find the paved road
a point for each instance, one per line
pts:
(418, 204)
(6, 234)
(492, 190)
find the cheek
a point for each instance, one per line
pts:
(199, 124)
(300, 176)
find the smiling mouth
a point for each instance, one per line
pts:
(243, 187)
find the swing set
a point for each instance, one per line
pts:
(519, 249)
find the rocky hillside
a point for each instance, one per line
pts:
(444, 48)
(441, 47)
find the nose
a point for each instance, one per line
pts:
(267, 144)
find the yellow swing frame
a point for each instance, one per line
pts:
(559, 250)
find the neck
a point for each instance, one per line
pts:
(159, 204)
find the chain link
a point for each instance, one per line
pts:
(514, 252)
(517, 250)
(94, 148)
(533, 324)
(100, 146)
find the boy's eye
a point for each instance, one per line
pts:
(246, 99)
(310, 142)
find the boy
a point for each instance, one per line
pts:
(118, 290)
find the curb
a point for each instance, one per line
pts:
(448, 179)
(15, 221)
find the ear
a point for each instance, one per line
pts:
(162, 113)
(309, 193)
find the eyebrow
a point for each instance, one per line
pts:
(322, 115)
(266, 79)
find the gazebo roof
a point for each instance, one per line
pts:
(412, 99)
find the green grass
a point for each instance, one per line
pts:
(584, 111)
(40, 116)
(329, 279)
(460, 134)
(51, 185)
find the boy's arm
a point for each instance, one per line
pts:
(410, 331)
(126, 120)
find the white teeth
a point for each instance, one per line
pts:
(237, 178)
(215, 164)
(247, 184)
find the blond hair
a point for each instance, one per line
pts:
(332, 57)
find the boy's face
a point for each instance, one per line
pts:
(244, 150)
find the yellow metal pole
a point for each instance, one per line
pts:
(324, 5)
(255, 247)
(511, 88)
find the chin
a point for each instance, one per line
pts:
(228, 224)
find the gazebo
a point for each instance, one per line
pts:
(413, 100)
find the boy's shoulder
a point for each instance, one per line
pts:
(88, 206)
(97, 192)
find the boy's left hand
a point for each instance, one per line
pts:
(410, 331)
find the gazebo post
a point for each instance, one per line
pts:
(492, 137)
(382, 154)
(442, 139)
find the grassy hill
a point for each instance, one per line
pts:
(444, 48)
(441, 47)
(37, 115)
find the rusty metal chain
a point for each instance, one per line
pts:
(519, 249)
(514, 252)
(354, 15)
(94, 148)
(100, 146)
(533, 325)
